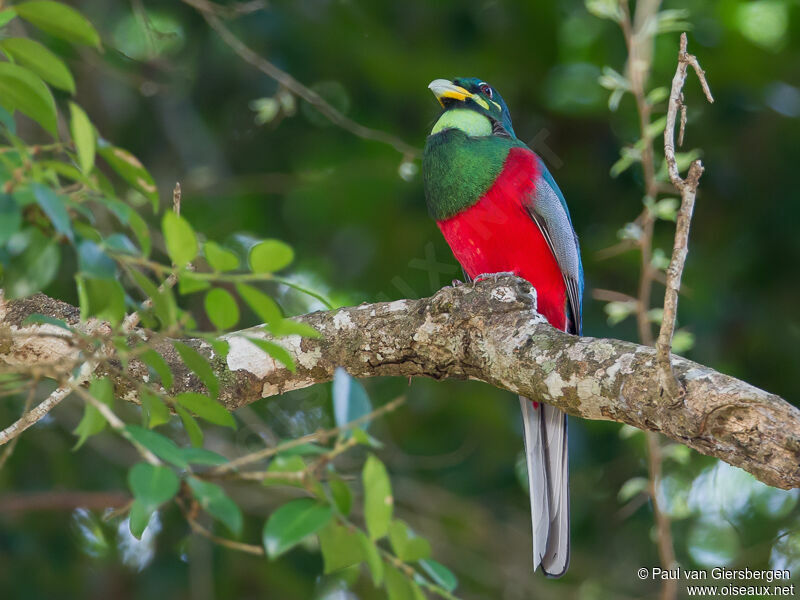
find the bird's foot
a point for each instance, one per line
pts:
(456, 283)
(492, 276)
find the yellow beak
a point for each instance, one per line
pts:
(442, 88)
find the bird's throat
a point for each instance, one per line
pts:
(474, 124)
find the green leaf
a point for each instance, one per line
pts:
(6, 16)
(189, 283)
(440, 574)
(190, 425)
(350, 400)
(206, 408)
(340, 547)
(264, 306)
(303, 449)
(199, 365)
(34, 268)
(7, 120)
(618, 311)
(93, 421)
(372, 557)
(141, 230)
(104, 299)
(220, 259)
(121, 243)
(378, 500)
(10, 217)
(277, 352)
(59, 20)
(365, 439)
(667, 209)
(154, 411)
(152, 485)
(221, 308)
(632, 487)
(23, 90)
(180, 239)
(398, 586)
(201, 456)
(37, 318)
(405, 546)
(286, 327)
(270, 256)
(163, 447)
(127, 166)
(139, 518)
(605, 9)
(156, 362)
(163, 301)
(342, 496)
(82, 133)
(285, 464)
(53, 206)
(93, 262)
(292, 522)
(216, 503)
(682, 341)
(36, 57)
(677, 452)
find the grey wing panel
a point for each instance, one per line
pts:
(553, 221)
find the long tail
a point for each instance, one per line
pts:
(548, 479)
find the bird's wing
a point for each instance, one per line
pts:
(549, 210)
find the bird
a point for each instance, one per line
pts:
(500, 211)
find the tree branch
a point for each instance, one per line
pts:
(688, 190)
(488, 332)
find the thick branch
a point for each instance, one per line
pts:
(488, 332)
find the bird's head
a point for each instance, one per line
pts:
(473, 105)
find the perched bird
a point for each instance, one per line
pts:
(501, 211)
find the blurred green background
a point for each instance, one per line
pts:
(253, 158)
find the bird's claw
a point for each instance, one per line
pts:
(492, 276)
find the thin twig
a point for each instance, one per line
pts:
(297, 88)
(232, 544)
(688, 190)
(317, 436)
(116, 423)
(54, 399)
(639, 37)
(28, 401)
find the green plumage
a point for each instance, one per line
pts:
(458, 169)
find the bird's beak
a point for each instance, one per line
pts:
(442, 89)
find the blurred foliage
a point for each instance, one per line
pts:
(149, 95)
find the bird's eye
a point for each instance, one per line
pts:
(486, 89)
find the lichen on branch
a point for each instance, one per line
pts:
(489, 331)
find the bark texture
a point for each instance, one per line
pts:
(489, 332)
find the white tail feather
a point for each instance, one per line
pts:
(548, 481)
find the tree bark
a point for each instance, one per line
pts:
(489, 332)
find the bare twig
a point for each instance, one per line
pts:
(188, 513)
(61, 500)
(688, 190)
(116, 423)
(297, 88)
(28, 401)
(54, 399)
(639, 37)
(318, 436)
